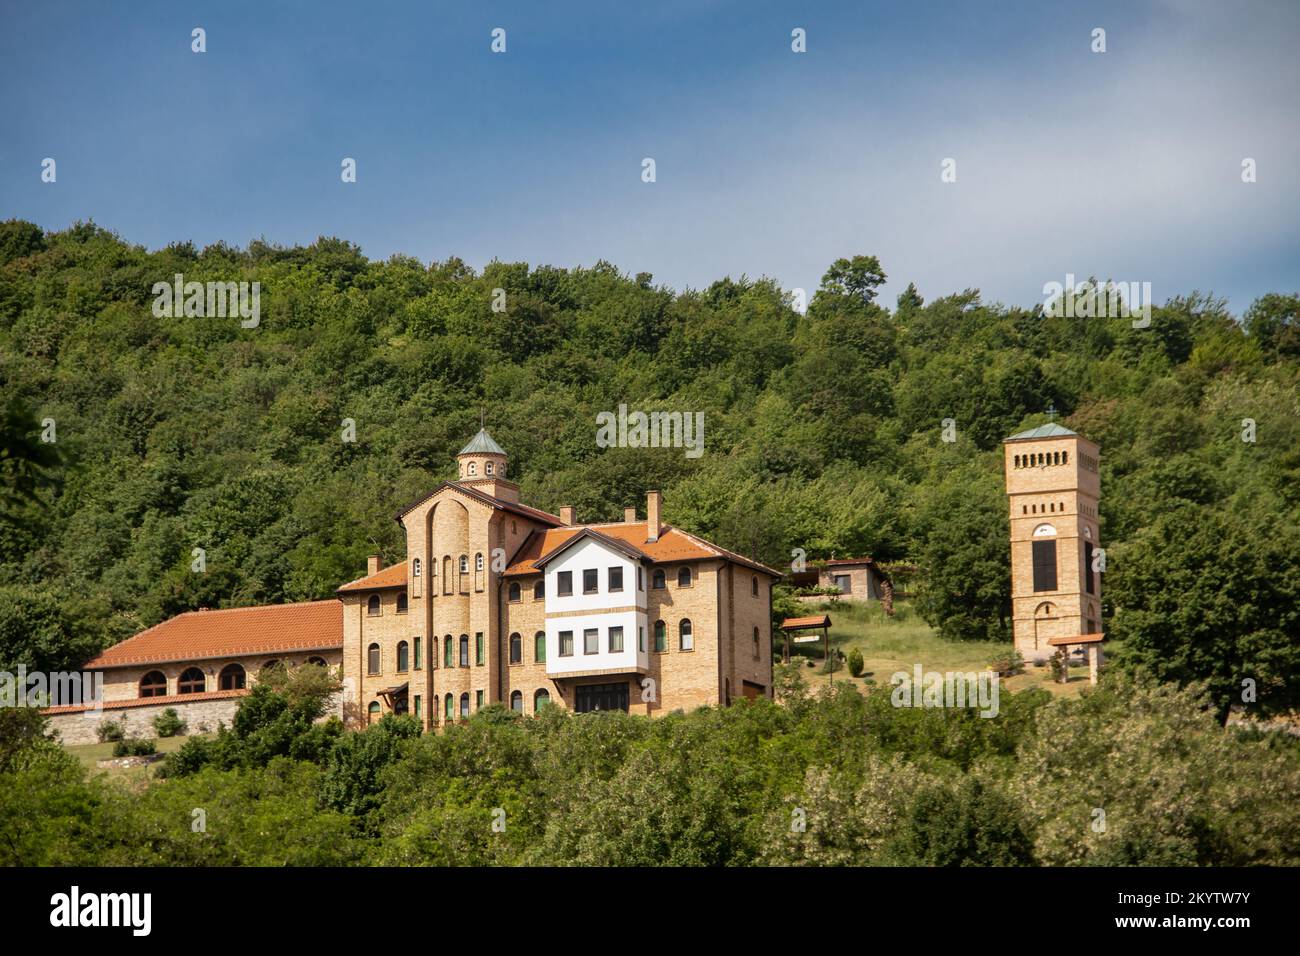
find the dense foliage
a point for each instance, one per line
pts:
(823, 432)
(1134, 773)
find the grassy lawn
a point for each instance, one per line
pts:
(89, 754)
(901, 642)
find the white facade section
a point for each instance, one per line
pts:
(602, 610)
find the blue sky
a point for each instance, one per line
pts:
(1125, 164)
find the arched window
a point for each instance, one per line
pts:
(464, 564)
(517, 702)
(1044, 531)
(269, 668)
(683, 577)
(401, 602)
(403, 656)
(1065, 458)
(191, 682)
(464, 705)
(753, 587)
(448, 652)
(661, 636)
(318, 661)
(372, 712)
(232, 677)
(487, 468)
(658, 580)
(514, 591)
(539, 647)
(471, 469)
(516, 649)
(448, 708)
(415, 567)
(154, 684)
(372, 605)
(757, 655)
(372, 659)
(539, 590)
(464, 650)
(478, 561)
(1017, 461)
(685, 636)
(541, 698)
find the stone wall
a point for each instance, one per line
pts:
(79, 727)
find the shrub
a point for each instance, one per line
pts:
(1007, 665)
(134, 747)
(169, 723)
(856, 665)
(110, 730)
(1059, 663)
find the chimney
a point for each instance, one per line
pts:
(652, 501)
(374, 564)
(566, 515)
(629, 515)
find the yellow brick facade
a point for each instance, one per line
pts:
(1053, 487)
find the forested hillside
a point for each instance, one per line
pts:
(822, 432)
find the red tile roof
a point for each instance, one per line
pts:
(393, 576)
(545, 517)
(1079, 639)
(805, 623)
(673, 545)
(199, 635)
(148, 701)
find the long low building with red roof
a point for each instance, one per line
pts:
(493, 602)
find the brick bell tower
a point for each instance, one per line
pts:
(1053, 486)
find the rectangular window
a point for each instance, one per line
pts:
(640, 578)
(539, 647)
(616, 579)
(478, 648)
(564, 583)
(417, 705)
(566, 643)
(591, 641)
(478, 700)
(419, 654)
(1089, 584)
(464, 651)
(1044, 565)
(615, 640)
(844, 583)
(661, 636)
(590, 581)
(640, 639)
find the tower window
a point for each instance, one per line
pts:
(487, 468)
(471, 469)
(1044, 565)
